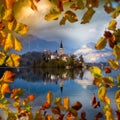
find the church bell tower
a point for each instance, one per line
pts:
(61, 49)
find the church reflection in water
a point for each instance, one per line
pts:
(57, 76)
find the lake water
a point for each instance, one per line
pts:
(74, 84)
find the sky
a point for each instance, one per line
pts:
(73, 35)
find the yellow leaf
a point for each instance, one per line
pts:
(52, 16)
(116, 12)
(108, 81)
(112, 25)
(107, 100)
(9, 3)
(13, 60)
(102, 93)
(87, 16)
(49, 117)
(8, 42)
(11, 42)
(49, 97)
(96, 71)
(114, 64)
(8, 76)
(97, 81)
(109, 115)
(101, 43)
(21, 28)
(117, 98)
(116, 51)
(17, 45)
(5, 88)
(7, 15)
(66, 103)
(2, 58)
(12, 24)
(118, 80)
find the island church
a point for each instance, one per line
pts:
(61, 54)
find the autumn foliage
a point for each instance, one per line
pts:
(62, 109)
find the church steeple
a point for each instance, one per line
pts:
(61, 48)
(61, 45)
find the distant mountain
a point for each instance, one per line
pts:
(90, 54)
(33, 43)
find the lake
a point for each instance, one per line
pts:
(76, 84)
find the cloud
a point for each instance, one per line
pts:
(92, 55)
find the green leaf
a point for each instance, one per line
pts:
(108, 81)
(102, 93)
(114, 64)
(117, 35)
(118, 80)
(11, 116)
(87, 16)
(116, 51)
(117, 98)
(96, 71)
(101, 43)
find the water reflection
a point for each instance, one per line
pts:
(76, 84)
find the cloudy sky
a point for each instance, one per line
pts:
(73, 35)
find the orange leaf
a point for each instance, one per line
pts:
(66, 103)
(32, 5)
(8, 76)
(16, 92)
(5, 88)
(9, 3)
(2, 26)
(31, 97)
(2, 58)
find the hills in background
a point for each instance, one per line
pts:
(34, 46)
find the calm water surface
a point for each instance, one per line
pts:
(74, 84)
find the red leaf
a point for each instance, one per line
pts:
(60, 5)
(107, 69)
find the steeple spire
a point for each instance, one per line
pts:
(61, 45)
(61, 49)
